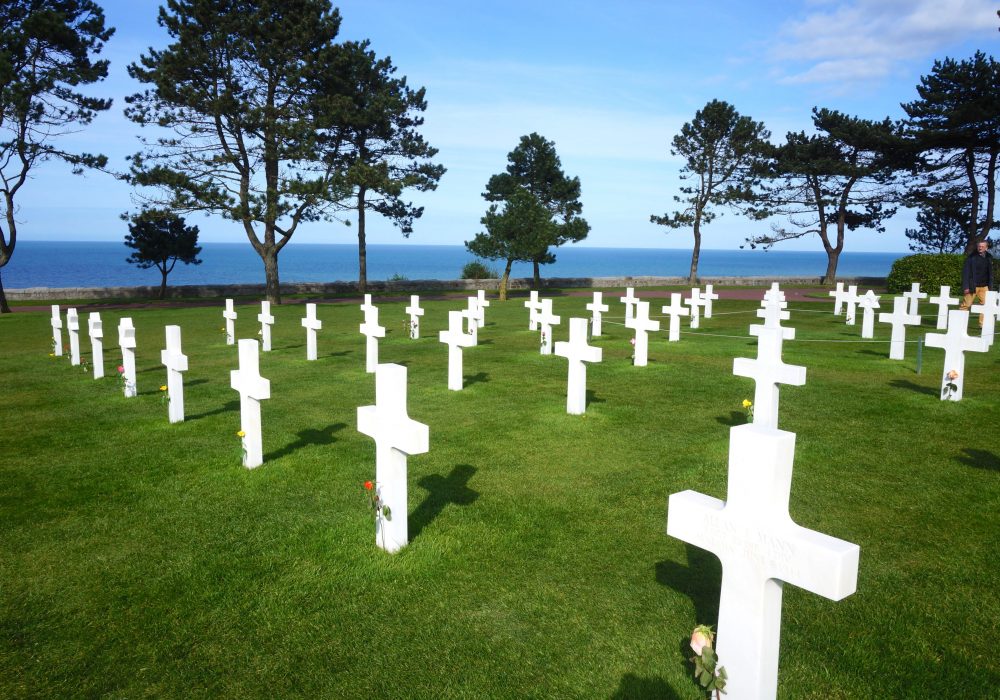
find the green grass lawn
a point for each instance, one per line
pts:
(138, 558)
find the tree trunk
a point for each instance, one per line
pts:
(362, 259)
(163, 284)
(4, 306)
(272, 289)
(505, 280)
(537, 283)
(696, 251)
(832, 256)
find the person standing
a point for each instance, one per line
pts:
(977, 276)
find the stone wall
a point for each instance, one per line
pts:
(321, 289)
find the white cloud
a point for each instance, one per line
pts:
(861, 41)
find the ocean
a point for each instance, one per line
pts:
(102, 264)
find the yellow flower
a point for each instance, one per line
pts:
(52, 354)
(240, 433)
(163, 388)
(747, 403)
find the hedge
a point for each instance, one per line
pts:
(931, 271)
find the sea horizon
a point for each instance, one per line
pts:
(60, 264)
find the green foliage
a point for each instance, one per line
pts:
(478, 270)
(160, 239)
(930, 270)
(47, 50)
(943, 227)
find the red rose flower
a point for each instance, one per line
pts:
(368, 485)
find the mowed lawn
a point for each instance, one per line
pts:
(138, 558)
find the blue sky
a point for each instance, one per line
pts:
(609, 83)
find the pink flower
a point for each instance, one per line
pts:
(121, 369)
(701, 638)
(632, 340)
(952, 375)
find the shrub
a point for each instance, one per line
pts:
(931, 271)
(478, 270)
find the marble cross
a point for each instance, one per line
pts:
(642, 325)
(534, 307)
(367, 305)
(372, 332)
(900, 318)
(471, 313)
(943, 301)
(577, 351)
(545, 322)
(455, 338)
(868, 304)
(266, 321)
(989, 309)
(176, 362)
(839, 297)
(73, 331)
(675, 310)
(482, 304)
(57, 344)
(850, 302)
(629, 300)
(311, 324)
(955, 343)
(914, 296)
(768, 370)
(253, 389)
(694, 301)
(415, 313)
(761, 548)
(596, 308)
(774, 293)
(773, 312)
(230, 315)
(95, 329)
(707, 298)
(126, 341)
(396, 436)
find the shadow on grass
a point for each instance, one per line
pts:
(632, 687)
(442, 490)
(907, 384)
(980, 459)
(700, 580)
(478, 378)
(592, 397)
(228, 406)
(307, 437)
(733, 419)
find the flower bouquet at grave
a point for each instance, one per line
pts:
(707, 671)
(126, 384)
(950, 387)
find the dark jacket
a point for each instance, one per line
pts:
(977, 272)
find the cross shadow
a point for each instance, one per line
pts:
(341, 353)
(632, 687)
(700, 580)
(307, 437)
(484, 342)
(442, 490)
(980, 459)
(876, 353)
(227, 407)
(907, 384)
(195, 382)
(478, 378)
(592, 397)
(733, 419)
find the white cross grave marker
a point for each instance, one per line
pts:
(415, 313)
(956, 342)
(642, 325)
(768, 370)
(176, 362)
(471, 315)
(311, 324)
(675, 310)
(266, 321)
(230, 315)
(534, 307)
(482, 304)
(73, 331)
(367, 305)
(868, 303)
(900, 318)
(943, 301)
(694, 301)
(761, 548)
(596, 308)
(545, 322)
(773, 311)
(989, 309)
(396, 436)
(914, 296)
(839, 297)
(95, 328)
(629, 300)
(253, 389)
(774, 293)
(57, 344)
(455, 338)
(851, 301)
(372, 332)
(577, 352)
(126, 341)
(707, 298)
